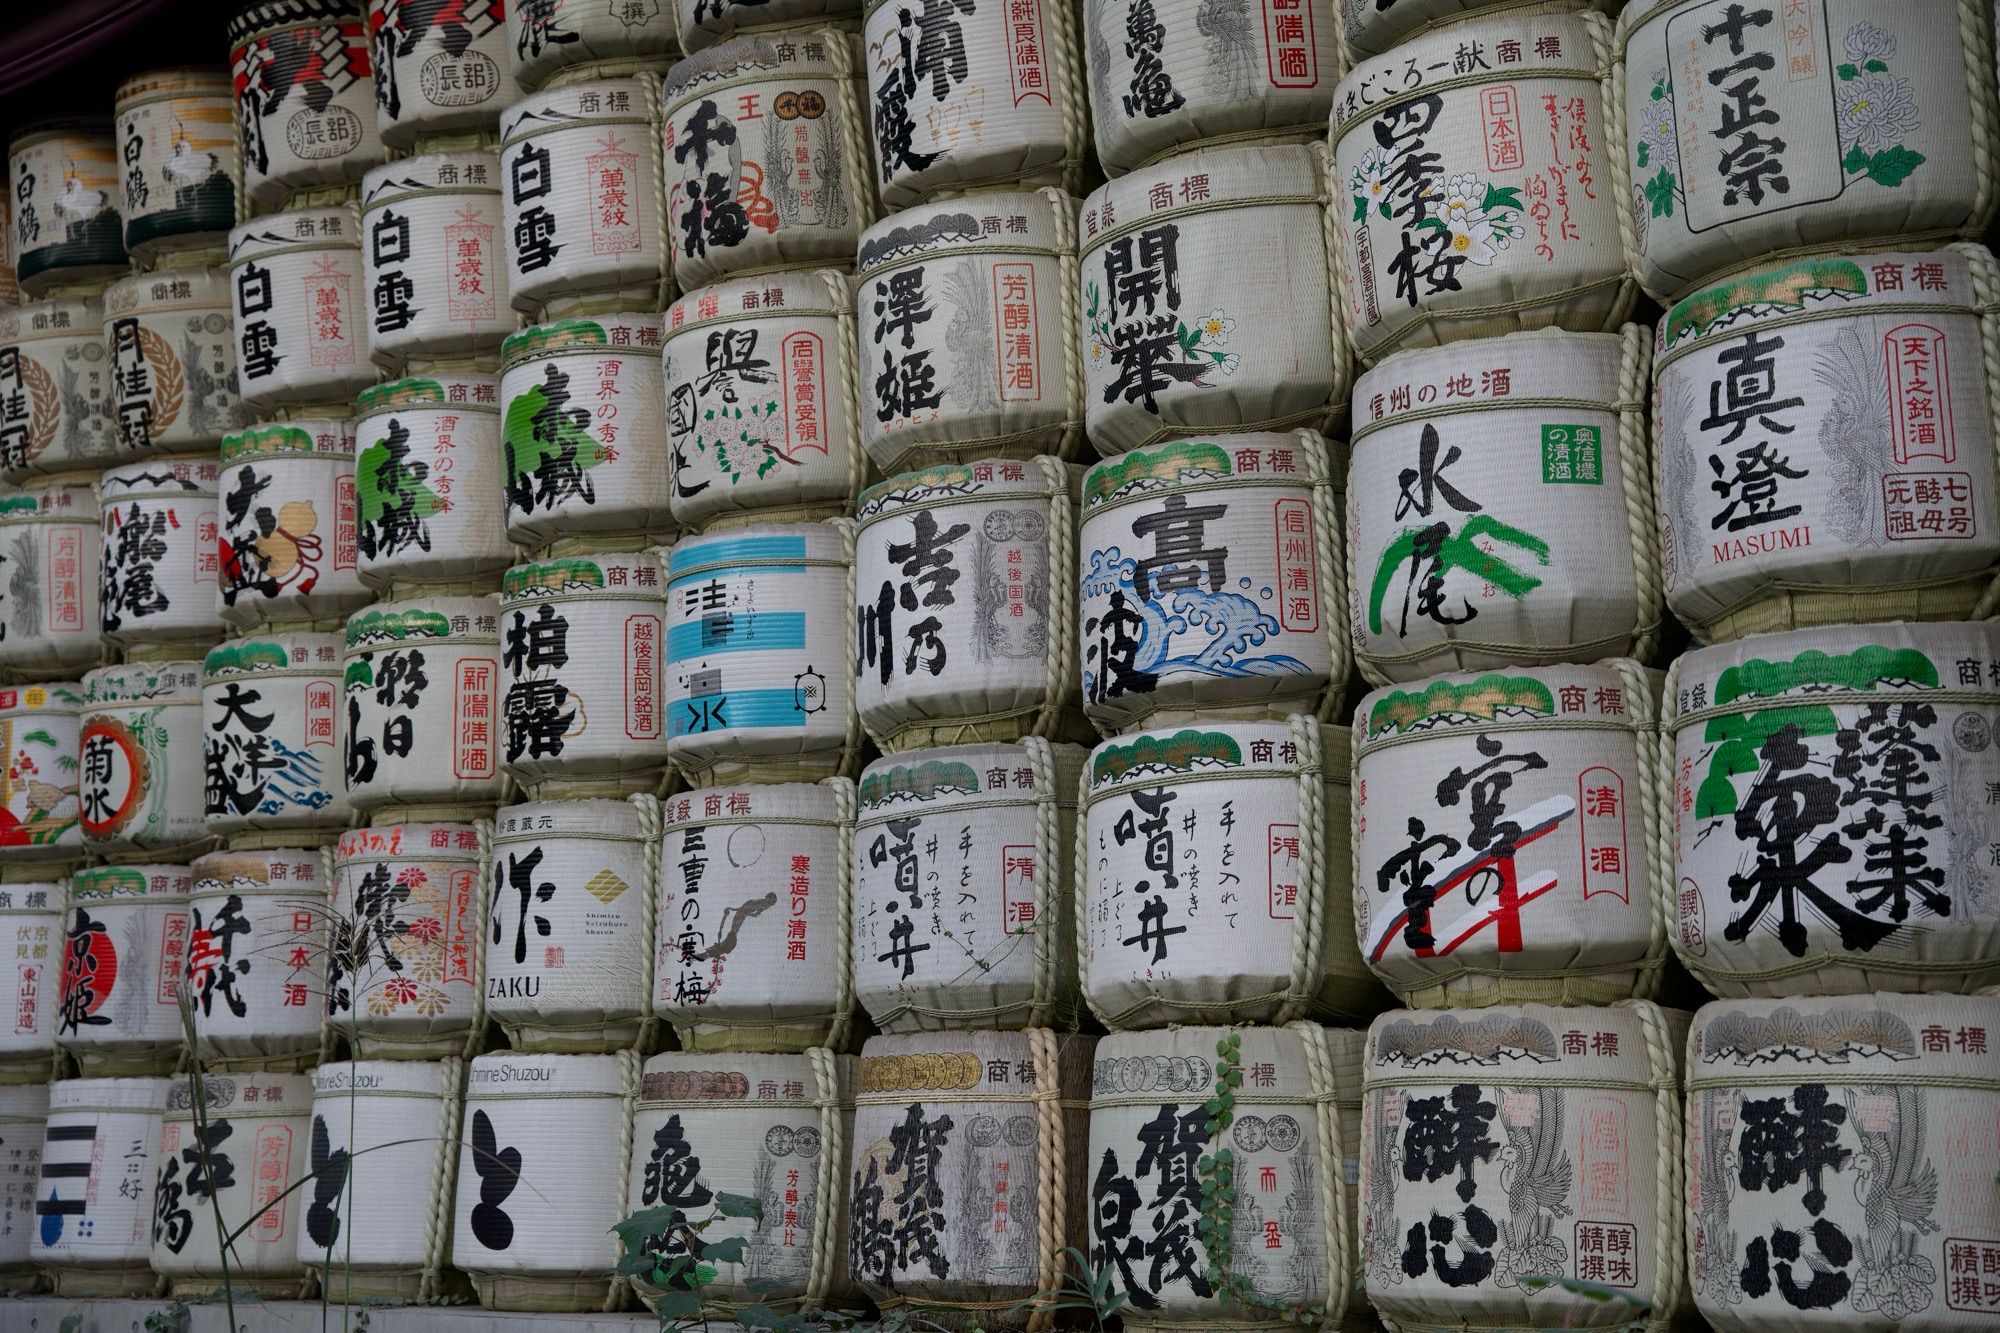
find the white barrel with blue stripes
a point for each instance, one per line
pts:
(93, 1227)
(758, 681)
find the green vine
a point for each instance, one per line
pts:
(1216, 1175)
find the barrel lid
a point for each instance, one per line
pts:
(126, 1094)
(586, 334)
(361, 1078)
(28, 1101)
(76, 316)
(160, 476)
(1241, 749)
(799, 53)
(323, 437)
(170, 289)
(1271, 175)
(792, 293)
(308, 228)
(1275, 458)
(285, 869)
(618, 574)
(574, 106)
(955, 483)
(1006, 222)
(554, 821)
(256, 654)
(430, 619)
(792, 802)
(1894, 660)
(1550, 44)
(59, 696)
(508, 1074)
(942, 1063)
(728, 1079)
(242, 1095)
(765, 546)
(1524, 1045)
(186, 80)
(132, 881)
(453, 389)
(464, 170)
(1818, 286)
(1481, 374)
(413, 842)
(1936, 1039)
(1448, 704)
(142, 683)
(71, 502)
(986, 773)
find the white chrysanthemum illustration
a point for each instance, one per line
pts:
(1866, 42)
(1229, 363)
(1371, 175)
(1875, 112)
(1471, 241)
(1656, 130)
(1463, 196)
(1215, 329)
(1506, 230)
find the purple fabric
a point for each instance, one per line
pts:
(44, 37)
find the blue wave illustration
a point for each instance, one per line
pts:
(1224, 626)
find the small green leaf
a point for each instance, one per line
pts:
(679, 1304)
(725, 1251)
(1645, 153)
(1235, 1077)
(1892, 166)
(1660, 193)
(1222, 1046)
(1847, 71)
(1875, 67)
(738, 1205)
(1360, 208)
(1502, 197)
(1855, 162)
(1386, 211)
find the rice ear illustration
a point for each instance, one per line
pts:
(169, 383)
(45, 406)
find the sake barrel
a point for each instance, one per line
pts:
(24, 1115)
(572, 875)
(287, 539)
(437, 282)
(965, 99)
(703, 23)
(32, 939)
(173, 359)
(760, 399)
(1831, 803)
(430, 481)
(967, 1177)
(250, 1146)
(580, 646)
(94, 1201)
(257, 956)
(403, 953)
(438, 69)
(140, 779)
(1807, 426)
(541, 1179)
(158, 560)
(774, 1128)
(270, 710)
(758, 682)
(1467, 548)
(1211, 582)
(422, 682)
(755, 892)
(1516, 1143)
(124, 953)
(583, 215)
(996, 659)
(1166, 75)
(305, 96)
(39, 808)
(56, 393)
(1438, 242)
(966, 326)
(48, 579)
(1839, 1157)
(1169, 927)
(1841, 125)
(383, 1155)
(1286, 1139)
(767, 161)
(938, 944)
(586, 450)
(549, 35)
(1444, 911)
(300, 299)
(1180, 335)
(65, 179)
(177, 137)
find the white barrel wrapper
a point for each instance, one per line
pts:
(270, 711)
(1180, 335)
(158, 560)
(430, 481)
(546, 35)
(755, 893)
(1211, 582)
(570, 951)
(580, 646)
(305, 101)
(140, 776)
(767, 156)
(49, 580)
(40, 792)
(252, 1146)
(1834, 794)
(56, 393)
(1839, 1153)
(300, 298)
(423, 702)
(963, 914)
(760, 399)
(981, 559)
(774, 1128)
(1509, 843)
(432, 257)
(1167, 75)
(540, 1179)
(286, 506)
(758, 681)
(94, 1203)
(24, 1116)
(177, 140)
(1499, 1145)
(586, 447)
(1177, 920)
(65, 176)
(966, 331)
(1859, 119)
(124, 954)
(439, 69)
(173, 360)
(403, 964)
(1824, 434)
(32, 945)
(257, 956)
